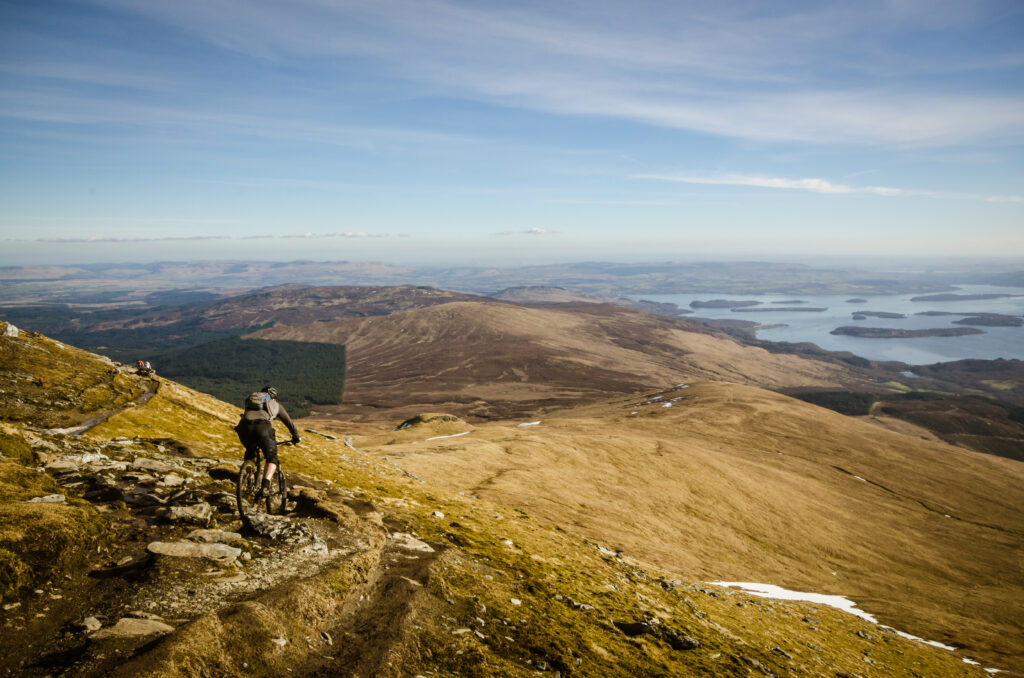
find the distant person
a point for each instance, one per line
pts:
(256, 430)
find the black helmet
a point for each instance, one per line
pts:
(270, 391)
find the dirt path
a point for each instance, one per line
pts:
(377, 614)
(154, 386)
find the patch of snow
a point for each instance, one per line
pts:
(968, 660)
(772, 591)
(456, 435)
(838, 602)
(666, 404)
(934, 643)
(531, 423)
(859, 478)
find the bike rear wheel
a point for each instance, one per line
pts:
(246, 488)
(277, 500)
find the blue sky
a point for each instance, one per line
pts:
(429, 131)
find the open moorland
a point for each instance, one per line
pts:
(488, 359)
(580, 542)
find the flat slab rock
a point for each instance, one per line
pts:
(200, 513)
(190, 549)
(50, 499)
(129, 627)
(410, 543)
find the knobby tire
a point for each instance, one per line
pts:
(277, 500)
(246, 488)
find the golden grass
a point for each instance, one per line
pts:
(740, 484)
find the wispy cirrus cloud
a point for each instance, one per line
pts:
(825, 73)
(348, 234)
(288, 236)
(817, 185)
(100, 239)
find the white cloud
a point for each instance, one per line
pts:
(192, 118)
(530, 231)
(824, 73)
(816, 185)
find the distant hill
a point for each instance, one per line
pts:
(487, 358)
(122, 282)
(534, 295)
(136, 332)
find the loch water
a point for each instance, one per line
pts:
(815, 327)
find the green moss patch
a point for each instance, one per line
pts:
(39, 541)
(19, 483)
(13, 446)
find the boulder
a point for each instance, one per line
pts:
(197, 514)
(145, 464)
(172, 480)
(129, 627)
(409, 542)
(50, 499)
(188, 549)
(91, 624)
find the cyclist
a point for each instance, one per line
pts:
(256, 430)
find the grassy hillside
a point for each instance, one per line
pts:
(722, 480)
(502, 591)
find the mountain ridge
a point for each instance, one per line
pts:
(488, 359)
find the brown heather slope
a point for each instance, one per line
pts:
(290, 305)
(740, 484)
(489, 359)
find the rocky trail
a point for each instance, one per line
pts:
(181, 557)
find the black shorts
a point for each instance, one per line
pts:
(258, 434)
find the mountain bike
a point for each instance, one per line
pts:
(250, 477)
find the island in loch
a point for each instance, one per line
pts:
(892, 333)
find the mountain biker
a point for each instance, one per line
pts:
(256, 430)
